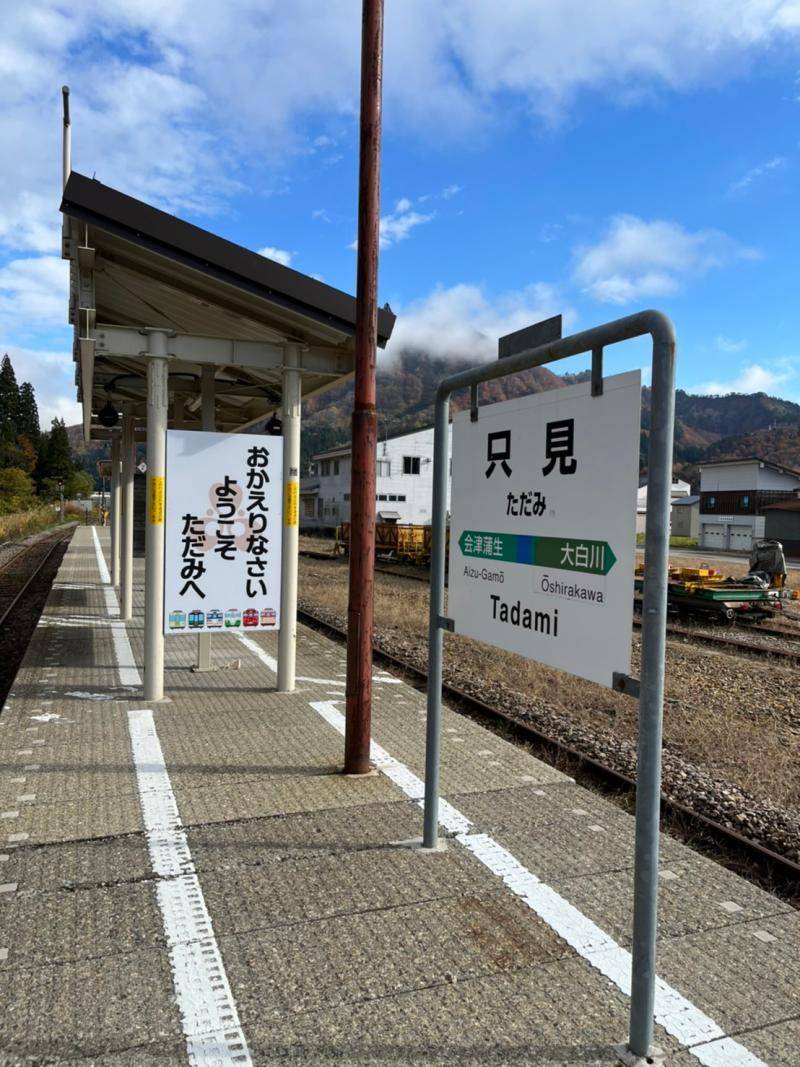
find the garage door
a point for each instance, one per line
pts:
(713, 535)
(741, 538)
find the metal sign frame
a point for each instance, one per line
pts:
(654, 614)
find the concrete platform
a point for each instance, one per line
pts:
(196, 881)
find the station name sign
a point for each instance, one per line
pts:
(542, 532)
(223, 520)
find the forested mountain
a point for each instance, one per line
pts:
(706, 427)
(406, 389)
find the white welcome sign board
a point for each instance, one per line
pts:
(223, 521)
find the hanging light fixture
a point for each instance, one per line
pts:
(108, 415)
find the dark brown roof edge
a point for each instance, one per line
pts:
(783, 505)
(99, 205)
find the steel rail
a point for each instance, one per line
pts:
(775, 868)
(33, 575)
(745, 647)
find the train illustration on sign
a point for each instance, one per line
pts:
(216, 619)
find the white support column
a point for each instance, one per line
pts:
(287, 638)
(126, 540)
(116, 496)
(208, 417)
(157, 407)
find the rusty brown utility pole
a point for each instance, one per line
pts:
(365, 418)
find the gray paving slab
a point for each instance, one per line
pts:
(68, 925)
(87, 1009)
(278, 795)
(76, 864)
(555, 1014)
(750, 982)
(338, 947)
(333, 962)
(325, 831)
(695, 895)
(559, 831)
(777, 1045)
(108, 815)
(294, 889)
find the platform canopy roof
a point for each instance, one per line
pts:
(133, 267)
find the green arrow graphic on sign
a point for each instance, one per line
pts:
(558, 553)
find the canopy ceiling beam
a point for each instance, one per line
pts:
(188, 348)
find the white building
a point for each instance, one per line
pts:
(679, 489)
(733, 495)
(404, 483)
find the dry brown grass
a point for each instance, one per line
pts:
(24, 523)
(737, 718)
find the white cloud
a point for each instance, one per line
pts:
(398, 224)
(636, 259)
(463, 320)
(751, 175)
(34, 293)
(167, 115)
(753, 378)
(450, 191)
(727, 344)
(280, 255)
(321, 214)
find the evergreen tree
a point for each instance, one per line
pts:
(9, 398)
(58, 457)
(28, 414)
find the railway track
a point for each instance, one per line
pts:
(696, 635)
(752, 858)
(19, 570)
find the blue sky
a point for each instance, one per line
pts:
(540, 158)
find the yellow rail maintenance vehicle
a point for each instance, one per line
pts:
(752, 597)
(402, 542)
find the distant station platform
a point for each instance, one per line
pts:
(194, 881)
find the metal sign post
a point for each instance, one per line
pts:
(651, 698)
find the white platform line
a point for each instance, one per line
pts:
(128, 671)
(105, 577)
(208, 1012)
(214, 1036)
(269, 661)
(695, 1030)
